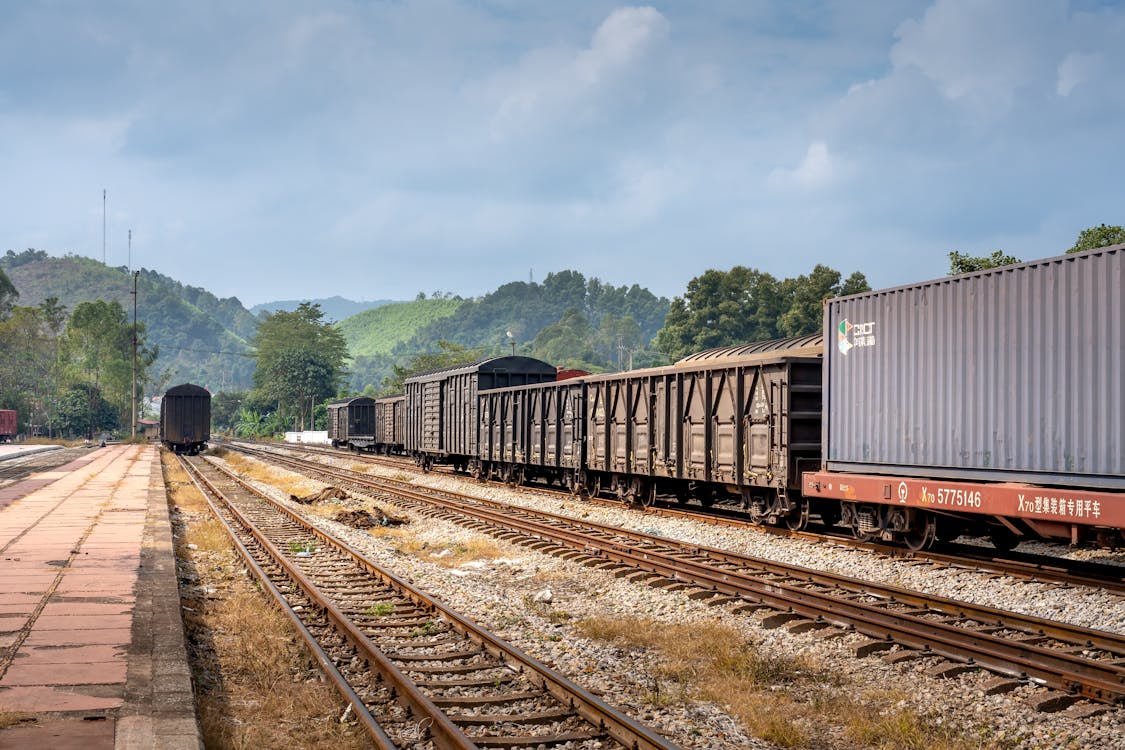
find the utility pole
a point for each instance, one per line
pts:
(103, 226)
(135, 275)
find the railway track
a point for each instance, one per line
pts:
(416, 672)
(17, 468)
(1032, 567)
(1076, 662)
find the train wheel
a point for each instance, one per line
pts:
(922, 533)
(477, 471)
(1003, 538)
(798, 518)
(829, 512)
(573, 481)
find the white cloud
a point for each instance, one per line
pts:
(983, 50)
(818, 169)
(578, 85)
(1076, 68)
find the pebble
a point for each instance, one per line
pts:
(501, 595)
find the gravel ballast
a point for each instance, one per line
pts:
(506, 592)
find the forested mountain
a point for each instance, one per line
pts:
(380, 330)
(566, 320)
(334, 308)
(201, 338)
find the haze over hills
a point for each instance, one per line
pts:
(335, 308)
(202, 339)
(206, 340)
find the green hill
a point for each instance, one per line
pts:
(202, 339)
(378, 331)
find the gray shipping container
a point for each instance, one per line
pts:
(1010, 374)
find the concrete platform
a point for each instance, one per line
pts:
(15, 450)
(91, 641)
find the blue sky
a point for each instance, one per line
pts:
(282, 149)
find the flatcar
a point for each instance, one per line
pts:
(185, 418)
(8, 425)
(440, 418)
(992, 401)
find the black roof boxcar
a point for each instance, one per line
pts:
(185, 418)
(351, 422)
(441, 406)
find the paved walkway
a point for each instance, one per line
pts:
(89, 609)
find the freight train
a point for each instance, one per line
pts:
(367, 424)
(185, 418)
(990, 403)
(8, 425)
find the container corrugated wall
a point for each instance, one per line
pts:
(1015, 374)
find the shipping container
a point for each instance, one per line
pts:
(8, 425)
(185, 418)
(441, 421)
(1012, 374)
(351, 422)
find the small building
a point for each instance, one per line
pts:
(150, 428)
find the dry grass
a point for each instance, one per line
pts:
(791, 702)
(287, 482)
(254, 683)
(447, 555)
(11, 719)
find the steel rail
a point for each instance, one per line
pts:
(1085, 677)
(622, 729)
(444, 733)
(1042, 568)
(374, 730)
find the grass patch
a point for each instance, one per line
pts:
(447, 555)
(11, 719)
(299, 547)
(379, 610)
(254, 683)
(287, 482)
(208, 535)
(792, 702)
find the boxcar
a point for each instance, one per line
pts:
(185, 418)
(388, 424)
(351, 423)
(741, 420)
(8, 425)
(940, 396)
(441, 423)
(533, 432)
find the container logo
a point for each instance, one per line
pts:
(851, 335)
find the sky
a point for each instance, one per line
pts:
(277, 149)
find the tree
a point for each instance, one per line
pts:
(567, 342)
(97, 349)
(721, 308)
(8, 294)
(963, 263)
(83, 411)
(807, 294)
(1099, 236)
(448, 355)
(225, 406)
(300, 359)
